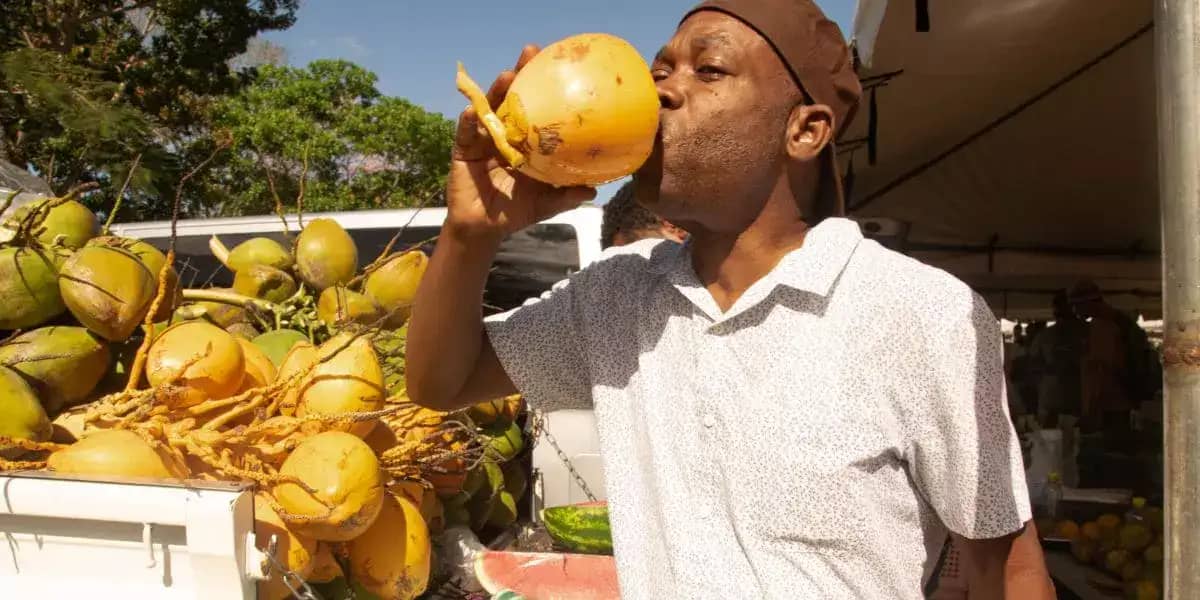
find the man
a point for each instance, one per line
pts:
(1112, 382)
(785, 409)
(625, 221)
(1056, 354)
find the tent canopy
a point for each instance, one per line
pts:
(1012, 143)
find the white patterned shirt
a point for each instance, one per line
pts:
(816, 440)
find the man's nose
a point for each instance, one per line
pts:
(669, 97)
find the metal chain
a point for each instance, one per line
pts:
(300, 589)
(539, 430)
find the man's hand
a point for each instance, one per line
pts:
(484, 197)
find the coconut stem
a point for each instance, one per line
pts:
(219, 250)
(490, 121)
(233, 298)
(143, 351)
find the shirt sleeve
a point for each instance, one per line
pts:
(964, 455)
(540, 346)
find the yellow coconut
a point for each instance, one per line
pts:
(296, 552)
(260, 371)
(325, 254)
(220, 313)
(254, 251)
(215, 364)
(393, 286)
(348, 481)
(432, 509)
(267, 283)
(338, 305)
(63, 364)
(325, 568)
(68, 221)
(108, 290)
(584, 111)
(29, 292)
(392, 558)
(245, 331)
(115, 453)
(154, 261)
(21, 415)
(500, 409)
(295, 371)
(347, 380)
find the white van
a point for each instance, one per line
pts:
(528, 264)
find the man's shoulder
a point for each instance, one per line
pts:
(635, 260)
(901, 279)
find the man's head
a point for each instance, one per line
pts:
(753, 94)
(625, 221)
(1086, 299)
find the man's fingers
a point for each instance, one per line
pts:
(499, 88)
(527, 54)
(471, 141)
(551, 201)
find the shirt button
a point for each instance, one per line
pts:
(710, 421)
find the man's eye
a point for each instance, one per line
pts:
(660, 74)
(709, 72)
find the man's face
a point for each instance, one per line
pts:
(726, 97)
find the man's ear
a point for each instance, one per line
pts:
(809, 130)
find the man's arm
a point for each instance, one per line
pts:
(1009, 568)
(450, 362)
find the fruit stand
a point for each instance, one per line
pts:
(277, 404)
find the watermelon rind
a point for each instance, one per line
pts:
(583, 529)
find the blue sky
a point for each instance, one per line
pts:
(412, 45)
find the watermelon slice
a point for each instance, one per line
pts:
(548, 576)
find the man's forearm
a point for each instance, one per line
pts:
(985, 562)
(1026, 576)
(445, 332)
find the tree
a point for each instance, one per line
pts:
(329, 127)
(87, 85)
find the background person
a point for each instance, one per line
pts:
(625, 221)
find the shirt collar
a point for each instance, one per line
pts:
(812, 268)
(815, 266)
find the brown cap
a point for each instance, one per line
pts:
(814, 50)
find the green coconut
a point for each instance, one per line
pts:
(325, 254)
(154, 261)
(393, 286)
(29, 292)
(107, 289)
(276, 344)
(63, 364)
(21, 415)
(74, 222)
(266, 283)
(341, 305)
(254, 251)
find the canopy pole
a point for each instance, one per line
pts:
(1177, 56)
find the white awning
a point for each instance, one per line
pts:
(1015, 144)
